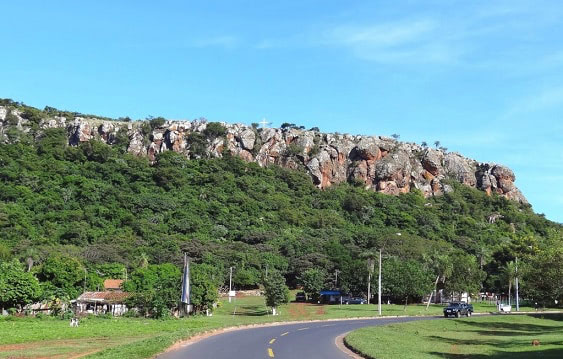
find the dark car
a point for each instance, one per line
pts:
(300, 297)
(355, 300)
(457, 309)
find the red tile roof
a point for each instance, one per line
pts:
(112, 284)
(103, 297)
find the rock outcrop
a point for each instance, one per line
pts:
(379, 163)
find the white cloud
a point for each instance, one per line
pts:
(544, 100)
(416, 41)
(381, 35)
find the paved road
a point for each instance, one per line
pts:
(288, 341)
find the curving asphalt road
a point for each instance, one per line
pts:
(287, 341)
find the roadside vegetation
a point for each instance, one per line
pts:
(122, 337)
(72, 216)
(494, 337)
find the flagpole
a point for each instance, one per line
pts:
(185, 298)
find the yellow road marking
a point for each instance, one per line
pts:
(303, 328)
(286, 333)
(270, 353)
(272, 341)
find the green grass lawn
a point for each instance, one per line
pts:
(142, 338)
(494, 337)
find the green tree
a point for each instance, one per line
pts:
(543, 277)
(275, 291)
(156, 289)
(441, 266)
(204, 280)
(510, 274)
(65, 273)
(313, 281)
(17, 287)
(214, 130)
(405, 279)
(466, 275)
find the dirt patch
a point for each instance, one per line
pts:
(77, 347)
(297, 310)
(320, 311)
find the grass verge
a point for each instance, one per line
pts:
(492, 337)
(143, 338)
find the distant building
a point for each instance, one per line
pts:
(113, 284)
(111, 300)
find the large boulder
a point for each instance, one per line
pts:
(247, 138)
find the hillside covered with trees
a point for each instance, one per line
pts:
(74, 215)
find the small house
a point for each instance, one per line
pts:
(102, 303)
(111, 300)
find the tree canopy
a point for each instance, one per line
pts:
(80, 208)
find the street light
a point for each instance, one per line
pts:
(379, 281)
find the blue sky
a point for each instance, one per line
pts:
(483, 77)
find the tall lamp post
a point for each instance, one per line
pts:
(516, 285)
(379, 281)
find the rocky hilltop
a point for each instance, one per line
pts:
(380, 163)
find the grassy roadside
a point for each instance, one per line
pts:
(493, 337)
(143, 338)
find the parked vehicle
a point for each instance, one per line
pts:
(301, 297)
(355, 300)
(457, 309)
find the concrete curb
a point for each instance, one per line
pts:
(352, 352)
(343, 346)
(206, 334)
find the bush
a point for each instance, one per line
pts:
(214, 130)
(294, 150)
(157, 122)
(33, 115)
(11, 119)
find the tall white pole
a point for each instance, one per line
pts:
(230, 282)
(516, 285)
(369, 286)
(379, 285)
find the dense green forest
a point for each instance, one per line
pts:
(94, 211)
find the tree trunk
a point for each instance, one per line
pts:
(30, 263)
(369, 287)
(406, 302)
(274, 311)
(435, 290)
(509, 288)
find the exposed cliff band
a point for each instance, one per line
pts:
(380, 163)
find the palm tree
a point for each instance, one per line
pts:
(143, 260)
(424, 144)
(437, 143)
(370, 259)
(442, 266)
(31, 255)
(510, 272)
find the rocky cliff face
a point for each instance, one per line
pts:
(380, 163)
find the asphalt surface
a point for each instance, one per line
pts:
(288, 341)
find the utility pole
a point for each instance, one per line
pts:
(379, 286)
(230, 282)
(516, 285)
(336, 278)
(371, 265)
(369, 286)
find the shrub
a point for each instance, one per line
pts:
(294, 150)
(157, 122)
(214, 130)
